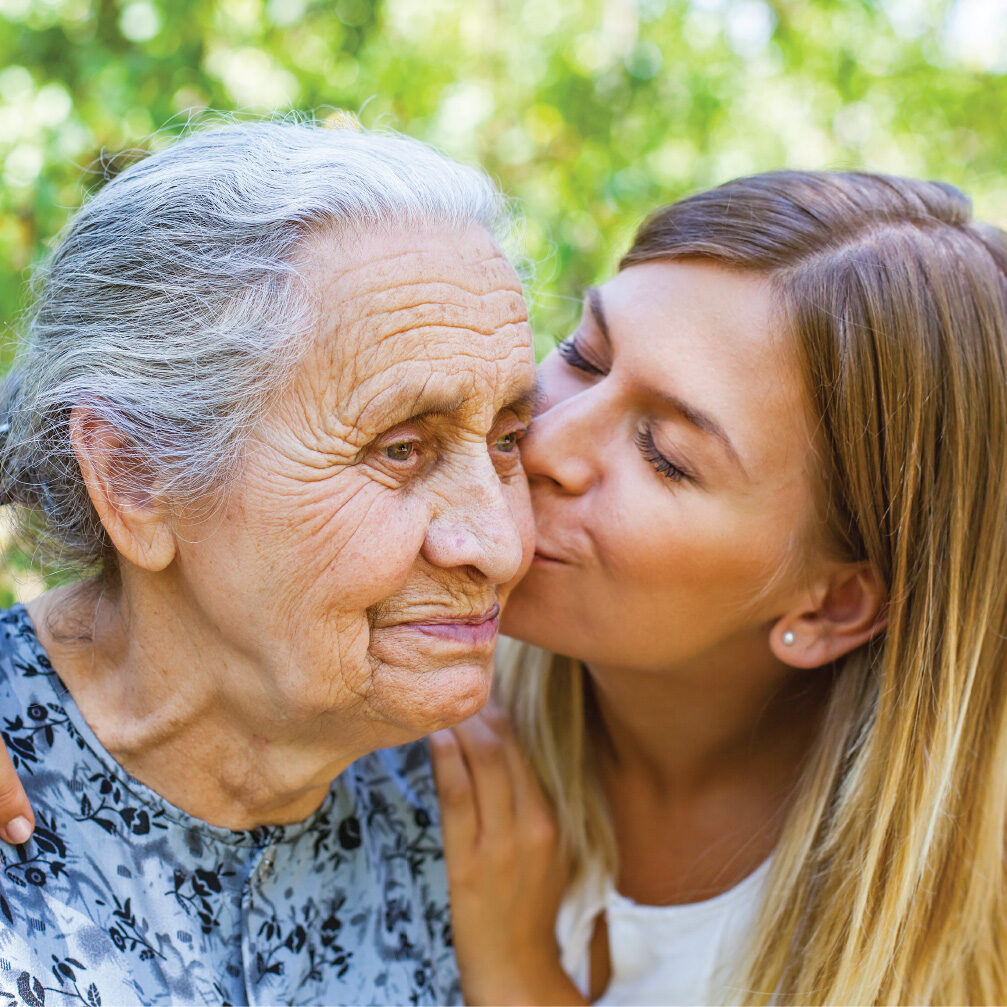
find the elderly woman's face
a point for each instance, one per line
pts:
(383, 514)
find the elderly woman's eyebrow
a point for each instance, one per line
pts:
(526, 403)
(407, 405)
(437, 404)
(522, 404)
(442, 402)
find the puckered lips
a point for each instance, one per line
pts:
(471, 629)
(547, 557)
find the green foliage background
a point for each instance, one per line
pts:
(589, 113)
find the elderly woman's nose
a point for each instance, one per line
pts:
(566, 443)
(477, 528)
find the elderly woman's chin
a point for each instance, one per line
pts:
(431, 675)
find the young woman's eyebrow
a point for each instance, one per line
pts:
(702, 421)
(593, 298)
(699, 419)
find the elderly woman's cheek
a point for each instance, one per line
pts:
(519, 501)
(369, 548)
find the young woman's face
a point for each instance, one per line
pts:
(669, 473)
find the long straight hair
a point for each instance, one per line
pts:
(888, 884)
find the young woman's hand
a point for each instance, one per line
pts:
(505, 867)
(17, 821)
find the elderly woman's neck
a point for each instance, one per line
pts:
(184, 711)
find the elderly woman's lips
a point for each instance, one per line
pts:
(471, 633)
(471, 629)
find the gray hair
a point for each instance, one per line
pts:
(170, 305)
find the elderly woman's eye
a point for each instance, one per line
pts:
(508, 442)
(400, 452)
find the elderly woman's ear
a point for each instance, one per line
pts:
(123, 494)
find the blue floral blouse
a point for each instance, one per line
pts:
(122, 898)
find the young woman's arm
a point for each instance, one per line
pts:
(17, 821)
(505, 868)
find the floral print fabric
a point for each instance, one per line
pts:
(120, 897)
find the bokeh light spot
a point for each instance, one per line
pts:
(140, 21)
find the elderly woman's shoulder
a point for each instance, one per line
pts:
(362, 879)
(19, 639)
(48, 942)
(30, 689)
(29, 685)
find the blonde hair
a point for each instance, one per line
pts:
(889, 881)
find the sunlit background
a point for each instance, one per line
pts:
(588, 113)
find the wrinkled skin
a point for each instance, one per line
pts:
(248, 658)
(342, 547)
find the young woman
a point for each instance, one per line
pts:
(771, 764)
(769, 483)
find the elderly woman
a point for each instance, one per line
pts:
(270, 400)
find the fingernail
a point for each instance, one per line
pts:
(18, 830)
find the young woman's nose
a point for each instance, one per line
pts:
(565, 442)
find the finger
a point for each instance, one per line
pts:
(485, 757)
(524, 780)
(536, 827)
(459, 823)
(16, 816)
(528, 793)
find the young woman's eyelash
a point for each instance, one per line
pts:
(569, 352)
(645, 442)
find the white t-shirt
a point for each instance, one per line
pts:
(660, 955)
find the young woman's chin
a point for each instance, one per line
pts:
(532, 614)
(550, 608)
(549, 612)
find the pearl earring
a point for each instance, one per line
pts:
(788, 638)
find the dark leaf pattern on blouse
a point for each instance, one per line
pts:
(115, 811)
(69, 973)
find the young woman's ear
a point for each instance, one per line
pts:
(842, 612)
(135, 520)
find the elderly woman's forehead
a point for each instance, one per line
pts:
(355, 266)
(401, 302)
(453, 379)
(416, 322)
(432, 370)
(377, 285)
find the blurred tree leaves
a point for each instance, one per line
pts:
(589, 113)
